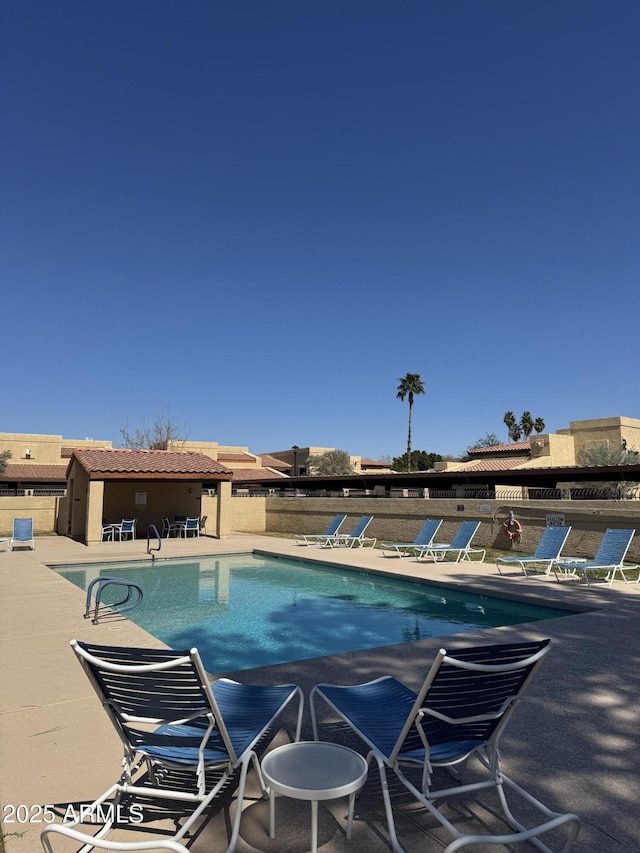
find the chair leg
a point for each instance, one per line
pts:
(235, 832)
(386, 796)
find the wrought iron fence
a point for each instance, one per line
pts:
(614, 492)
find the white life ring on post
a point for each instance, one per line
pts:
(512, 528)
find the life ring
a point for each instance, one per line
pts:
(512, 528)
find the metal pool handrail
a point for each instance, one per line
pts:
(152, 530)
(102, 584)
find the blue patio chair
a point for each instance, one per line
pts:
(549, 547)
(424, 537)
(191, 525)
(460, 711)
(609, 558)
(332, 529)
(356, 537)
(23, 533)
(127, 528)
(184, 739)
(460, 545)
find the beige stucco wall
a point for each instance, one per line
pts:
(398, 520)
(550, 450)
(606, 430)
(44, 449)
(43, 510)
(394, 520)
(207, 448)
(248, 515)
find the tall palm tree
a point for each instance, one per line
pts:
(409, 386)
(526, 424)
(511, 424)
(539, 425)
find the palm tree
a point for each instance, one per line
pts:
(539, 425)
(409, 386)
(526, 424)
(511, 424)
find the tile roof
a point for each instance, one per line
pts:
(514, 447)
(494, 465)
(106, 463)
(235, 457)
(254, 475)
(35, 473)
(370, 463)
(272, 462)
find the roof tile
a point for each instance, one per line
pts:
(35, 473)
(514, 447)
(254, 475)
(124, 461)
(494, 465)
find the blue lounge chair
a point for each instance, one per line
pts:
(460, 711)
(184, 739)
(23, 533)
(549, 547)
(460, 545)
(609, 558)
(312, 538)
(424, 537)
(356, 537)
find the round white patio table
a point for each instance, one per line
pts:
(313, 770)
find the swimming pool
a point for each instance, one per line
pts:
(244, 611)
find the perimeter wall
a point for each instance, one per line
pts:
(399, 519)
(394, 519)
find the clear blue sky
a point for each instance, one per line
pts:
(256, 216)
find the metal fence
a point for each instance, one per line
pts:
(40, 492)
(606, 493)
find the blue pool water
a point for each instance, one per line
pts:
(244, 611)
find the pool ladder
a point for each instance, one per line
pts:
(104, 583)
(152, 530)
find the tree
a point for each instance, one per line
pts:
(513, 428)
(490, 440)
(539, 425)
(526, 424)
(163, 433)
(420, 461)
(333, 462)
(5, 456)
(603, 453)
(409, 386)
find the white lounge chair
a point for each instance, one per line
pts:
(423, 538)
(312, 538)
(460, 545)
(185, 740)
(609, 558)
(356, 537)
(549, 547)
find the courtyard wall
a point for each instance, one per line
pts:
(394, 519)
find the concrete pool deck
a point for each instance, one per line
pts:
(573, 742)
